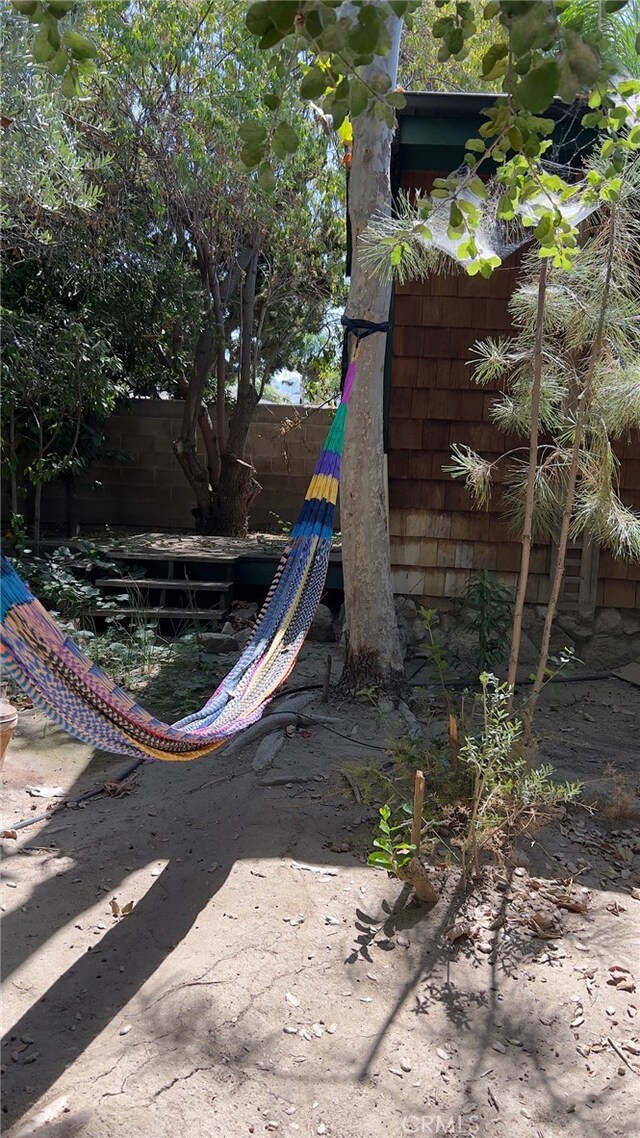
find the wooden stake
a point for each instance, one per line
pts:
(327, 679)
(453, 740)
(418, 803)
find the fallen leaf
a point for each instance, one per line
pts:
(13, 834)
(115, 908)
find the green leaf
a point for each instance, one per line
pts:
(475, 144)
(380, 860)
(272, 101)
(252, 132)
(494, 61)
(282, 13)
(334, 37)
(58, 64)
(79, 46)
(380, 83)
(70, 87)
(478, 187)
(288, 137)
(24, 7)
(258, 19)
(271, 37)
(365, 37)
(633, 137)
(536, 90)
(266, 178)
(396, 99)
(251, 155)
(535, 28)
(358, 98)
(42, 50)
(314, 83)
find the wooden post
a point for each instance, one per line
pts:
(418, 803)
(327, 679)
(453, 741)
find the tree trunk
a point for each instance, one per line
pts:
(13, 464)
(185, 447)
(527, 526)
(37, 517)
(238, 486)
(73, 527)
(570, 494)
(373, 652)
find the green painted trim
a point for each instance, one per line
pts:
(388, 360)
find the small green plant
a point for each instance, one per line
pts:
(491, 604)
(281, 525)
(438, 654)
(392, 851)
(506, 797)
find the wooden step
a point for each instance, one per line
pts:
(155, 613)
(183, 583)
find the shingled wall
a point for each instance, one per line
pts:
(436, 538)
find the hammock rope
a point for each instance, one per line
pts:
(79, 696)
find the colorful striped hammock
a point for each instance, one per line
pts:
(79, 697)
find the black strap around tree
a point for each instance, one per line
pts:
(360, 329)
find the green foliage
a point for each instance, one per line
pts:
(491, 605)
(477, 802)
(64, 52)
(392, 850)
(61, 579)
(506, 795)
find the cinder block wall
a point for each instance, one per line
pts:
(147, 489)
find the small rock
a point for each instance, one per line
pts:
(289, 1029)
(292, 1000)
(395, 1071)
(405, 1065)
(126, 1029)
(332, 1028)
(403, 940)
(386, 943)
(218, 643)
(267, 752)
(485, 946)
(498, 1046)
(322, 626)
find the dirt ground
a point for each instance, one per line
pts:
(266, 980)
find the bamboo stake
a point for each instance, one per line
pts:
(327, 679)
(418, 803)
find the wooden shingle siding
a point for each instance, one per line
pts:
(437, 539)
